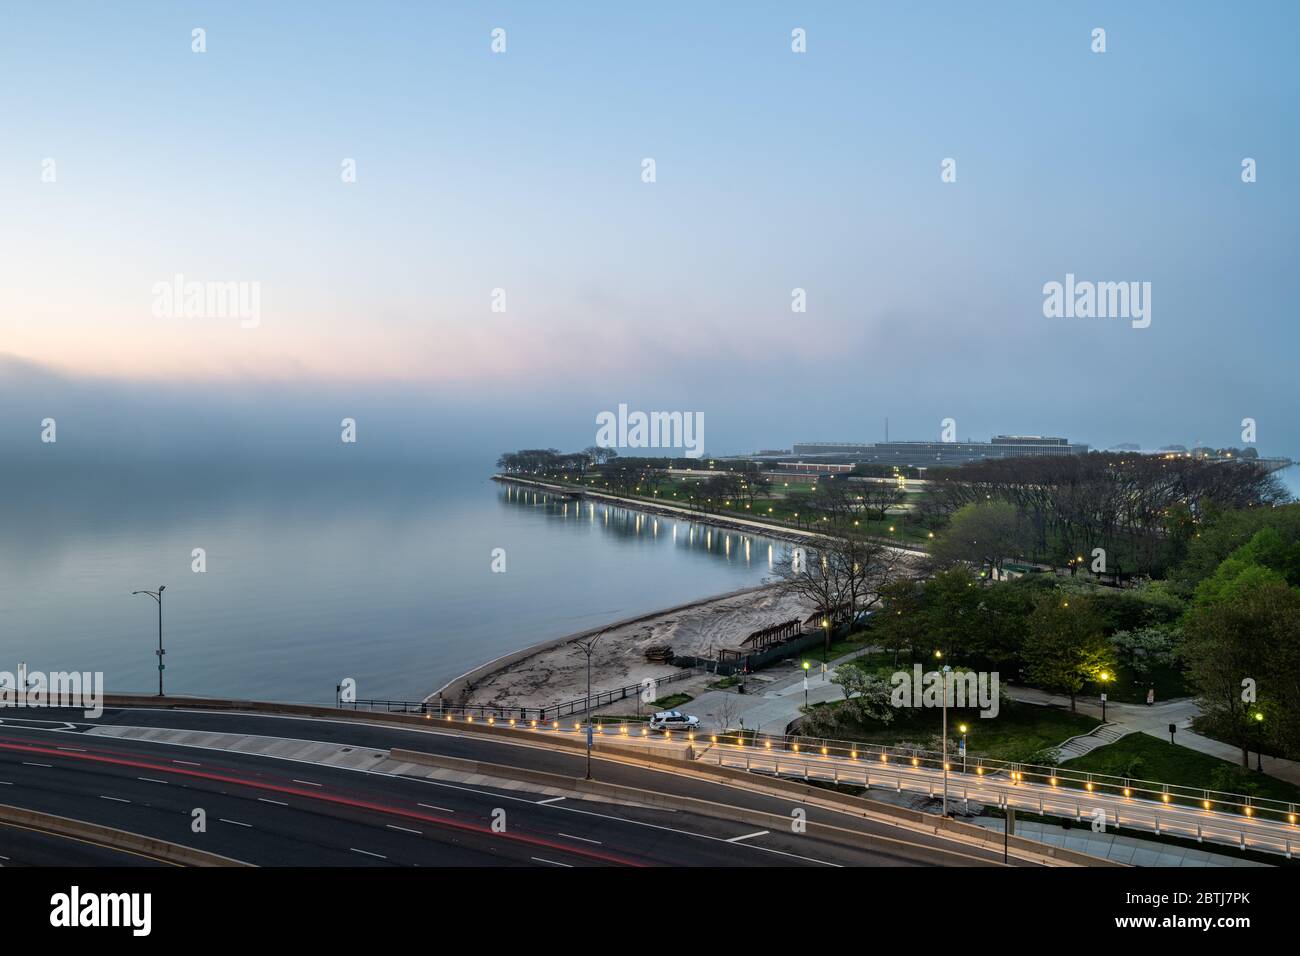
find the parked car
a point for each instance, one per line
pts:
(673, 720)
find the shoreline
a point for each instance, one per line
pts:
(543, 658)
(724, 522)
(458, 687)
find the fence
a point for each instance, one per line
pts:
(568, 708)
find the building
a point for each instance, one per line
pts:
(923, 454)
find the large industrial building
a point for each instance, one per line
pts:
(931, 453)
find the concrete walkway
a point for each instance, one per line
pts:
(1155, 721)
(1113, 846)
(774, 699)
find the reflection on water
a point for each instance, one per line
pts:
(630, 524)
(378, 572)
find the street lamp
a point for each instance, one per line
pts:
(962, 728)
(588, 646)
(1103, 677)
(157, 596)
(806, 665)
(1259, 743)
(946, 670)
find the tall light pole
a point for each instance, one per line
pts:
(1105, 676)
(157, 596)
(806, 665)
(588, 646)
(946, 669)
(962, 728)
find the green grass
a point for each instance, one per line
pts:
(1142, 756)
(1016, 733)
(672, 701)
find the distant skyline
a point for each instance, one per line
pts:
(522, 172)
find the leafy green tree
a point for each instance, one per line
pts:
(983, 534)
(1065, 648)
(1246, 644)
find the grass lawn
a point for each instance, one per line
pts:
(1149, 758)
(1016, 733)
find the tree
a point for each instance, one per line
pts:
(866, 694)
(1065, 647)
(982, 533)
(1241, 655)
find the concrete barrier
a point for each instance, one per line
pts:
(111, 837)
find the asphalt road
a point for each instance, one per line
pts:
(276, 812)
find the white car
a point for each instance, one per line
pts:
(673, 720)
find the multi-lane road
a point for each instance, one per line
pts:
(273, 790)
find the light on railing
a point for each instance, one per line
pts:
(825, 751)
(884, 758)
(853, 754)
(1164, 797)
(492, 720)
(532, 723)
(1290, 818)
(555, 725)
(1206, 804)
(713, 738)
(469, 718)
(794, 747)
(1088, 785)
(512, 721)
(1053, 781)
(1250, 811)
(1128, 792)
(915, 762)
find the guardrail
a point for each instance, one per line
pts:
(564, 709)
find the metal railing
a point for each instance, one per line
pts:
(1164, 809)
(568, 708)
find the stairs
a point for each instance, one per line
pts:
(1086, 743)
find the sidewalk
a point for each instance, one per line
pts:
(1155, 721)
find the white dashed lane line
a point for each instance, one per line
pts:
(307, 783)
(151, 780)
(749, 836)
(430, 806)
(235, 822)
(393, 826)
(567, 866)
(278, 803)
(570, 836)
(47, 766)
(368, 853)
(104, 796)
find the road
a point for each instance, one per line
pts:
(270, 810)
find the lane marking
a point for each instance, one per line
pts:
(104, 796)
(188, 763)
(583, 839)
(307, 782)
(552, 800)
(393, 826)
(749, 836)
(151, 780)
(368, 853)
(430, 806)
(235, 822)
(47, 766)
(80, 750)
(567, 866)
(278, 803)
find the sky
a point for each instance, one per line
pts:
(128, 159)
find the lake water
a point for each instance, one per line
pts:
(316, 574)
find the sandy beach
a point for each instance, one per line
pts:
(557, 671)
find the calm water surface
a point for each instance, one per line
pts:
(316, 574)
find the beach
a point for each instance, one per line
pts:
(556, 671)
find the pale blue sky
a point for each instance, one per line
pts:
(775, 170)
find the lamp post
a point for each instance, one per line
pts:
(946, 670)
(1103, 676)
(806, 665)
(588, 646)
(1259, 743)
(962, 728)
(157, 596)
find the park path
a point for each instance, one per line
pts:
(769, 706)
